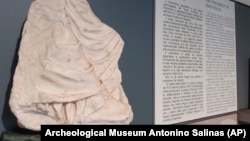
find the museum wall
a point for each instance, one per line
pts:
(242, 53)
(13, 13)
(133, 20)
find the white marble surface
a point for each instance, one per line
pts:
(68, 70)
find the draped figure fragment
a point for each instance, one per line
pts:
(68, 72)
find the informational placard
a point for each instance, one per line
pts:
(194, 59)
(230, 119)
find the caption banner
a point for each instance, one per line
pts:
(167, 131)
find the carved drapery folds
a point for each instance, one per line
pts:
(68, 71)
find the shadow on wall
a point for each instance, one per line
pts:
(9, 119)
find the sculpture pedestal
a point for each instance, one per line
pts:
(12, 136)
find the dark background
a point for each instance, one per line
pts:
(133, 20)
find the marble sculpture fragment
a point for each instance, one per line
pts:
(67, 72)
